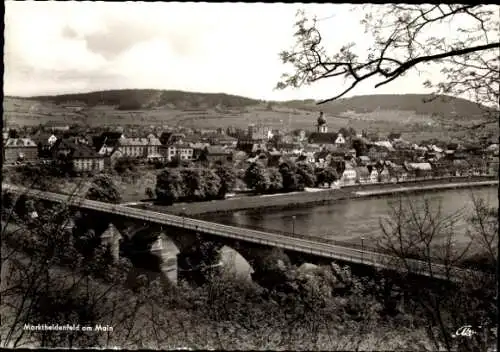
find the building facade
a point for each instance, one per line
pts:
(19, 149)
(140, 147)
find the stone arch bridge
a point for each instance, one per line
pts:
(144, 232)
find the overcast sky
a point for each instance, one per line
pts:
(62, 47)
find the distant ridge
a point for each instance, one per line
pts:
(128, 99)
(137, 99)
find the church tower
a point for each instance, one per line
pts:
(321, 126)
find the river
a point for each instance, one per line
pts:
(351, 219)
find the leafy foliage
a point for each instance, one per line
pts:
(169, 186)
(297, 176)
(306, 173)
(190, 184)
(13, 133)
(150, 193)
(327, 175)
(275, 180)
(126, 165)
(257, 178)
(227, 176)
(103, 189)
(393, 135)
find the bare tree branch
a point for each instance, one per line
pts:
(403, 39)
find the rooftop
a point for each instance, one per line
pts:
(82, 151)
(20, 142)
(217, 150)
(322, 138)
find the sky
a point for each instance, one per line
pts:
(70, 47)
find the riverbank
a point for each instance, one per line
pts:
(423, 188)
(291, 200)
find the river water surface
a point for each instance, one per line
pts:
(351, 219)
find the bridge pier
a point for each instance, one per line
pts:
(168, 262)
(112, 238)
(197, 260)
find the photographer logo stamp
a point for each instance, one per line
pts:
(465, 331)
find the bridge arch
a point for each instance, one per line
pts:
(170, 250)
(266, 266)
(236, 263)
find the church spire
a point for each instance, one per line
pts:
(321, 126)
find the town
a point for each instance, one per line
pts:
(336, 159)
(236, 176)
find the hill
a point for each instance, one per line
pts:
(137, 99)
(134, 99)
(446, 107)
(410, 113)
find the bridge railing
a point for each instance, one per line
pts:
(322, 239)
(313, 245)
(372, 254)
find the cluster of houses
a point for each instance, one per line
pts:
(377, 161)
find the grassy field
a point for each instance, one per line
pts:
(27, 112)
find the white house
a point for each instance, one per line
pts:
(309, 156)
(52, 139)
(384, 144)
(105, 149)
(153, 148)
(349, 175)
(340, 140)
(436, 149)
(363, 175)
(420, 166)
(184, 151)
(169, 152)
(373, 176)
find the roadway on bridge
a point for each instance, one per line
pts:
(315, 246)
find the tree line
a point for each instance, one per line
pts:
(193, 184)
(288, 177)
